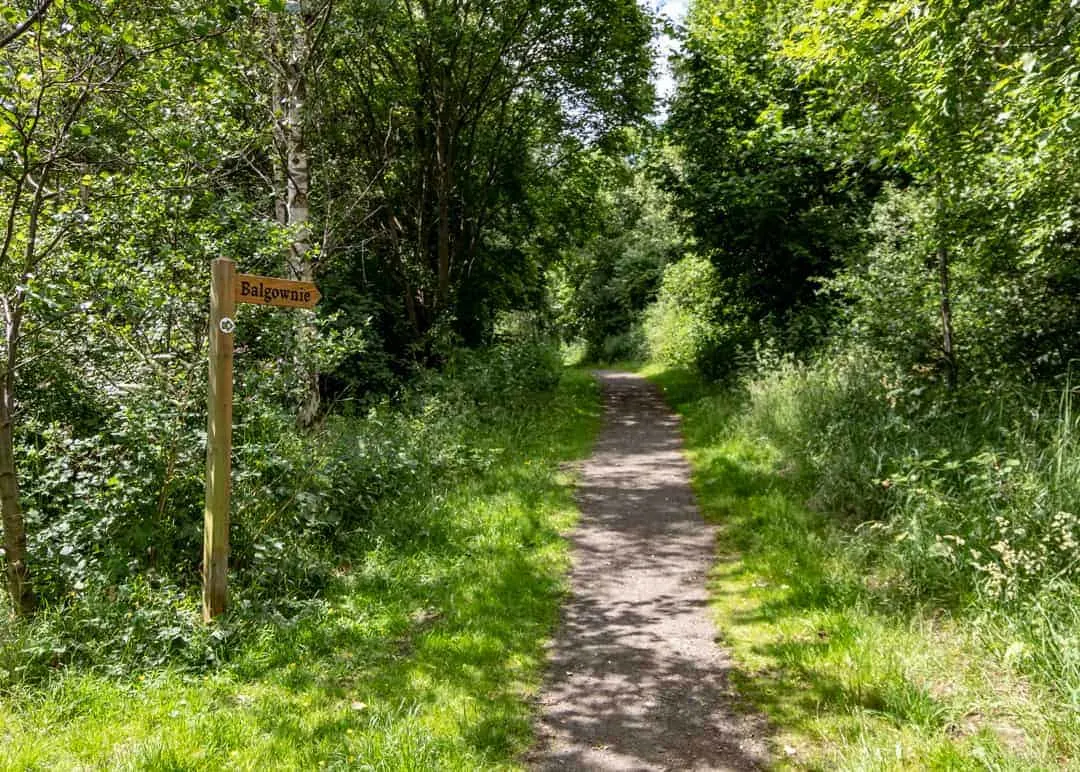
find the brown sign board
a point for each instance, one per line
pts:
(268, 291)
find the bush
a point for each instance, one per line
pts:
(1013, 310)
(693, 324)
(970, 496)
(117, 517)
(626, 346)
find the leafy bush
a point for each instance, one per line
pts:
(118, 516)
(601, 286)
(506, 369)
(626, 346)
(966, 501)
(693, 322)
(1013, 311)
(888, 293)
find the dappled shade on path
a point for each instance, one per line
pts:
(636, 680)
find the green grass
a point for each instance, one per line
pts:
(851, 674)
(424, 656)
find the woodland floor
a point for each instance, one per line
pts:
(636, 680)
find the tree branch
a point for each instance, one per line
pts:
(12, 36)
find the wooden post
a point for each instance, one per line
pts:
(219, 439)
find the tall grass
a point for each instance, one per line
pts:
(968, 501)
(852, 581)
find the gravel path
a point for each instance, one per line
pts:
(636, 680)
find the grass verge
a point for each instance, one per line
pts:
(850, 675)
(423, 656)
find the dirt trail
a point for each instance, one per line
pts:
(636, 680)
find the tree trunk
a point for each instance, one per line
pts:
(20, 589)
(23, 601)
(445, 188)
(408, 293)
(298, 214)
(289, 92)
(277, 158)
(298, 176)
(445, 126)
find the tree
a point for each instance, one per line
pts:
(58, 70)
(941, 91)
(770, 195)
(292, 56)
(458, 108)
(70, 65)
(403, 153)
(621, 232)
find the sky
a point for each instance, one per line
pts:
(675, 11)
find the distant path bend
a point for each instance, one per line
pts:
(635, 679)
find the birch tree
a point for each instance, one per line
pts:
(296, 31)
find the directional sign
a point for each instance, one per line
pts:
(227, 288)
(269, 291)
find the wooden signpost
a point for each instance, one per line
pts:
(227, 288)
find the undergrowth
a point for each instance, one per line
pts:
(863, 581)
(390, 616)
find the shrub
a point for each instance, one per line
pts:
(969, 495)
(117, 516)
(693, 322)
(626, 346)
